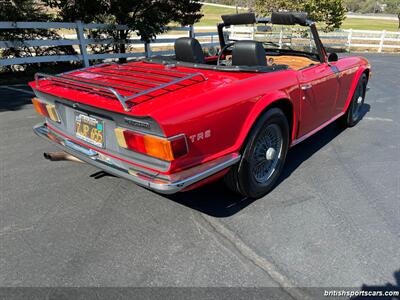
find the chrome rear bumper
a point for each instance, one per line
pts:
(165, 184)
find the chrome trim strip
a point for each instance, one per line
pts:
(163, 184)
(307, 135)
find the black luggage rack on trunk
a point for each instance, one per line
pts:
(143, 80)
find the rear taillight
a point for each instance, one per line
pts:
(45, 109)
(162, 148)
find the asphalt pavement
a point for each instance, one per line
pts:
(332, 221)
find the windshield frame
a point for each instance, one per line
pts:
(321, 52)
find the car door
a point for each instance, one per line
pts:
(318, 88)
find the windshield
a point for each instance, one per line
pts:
(275, 37)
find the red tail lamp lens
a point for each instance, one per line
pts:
(134, 141)
(162, 148)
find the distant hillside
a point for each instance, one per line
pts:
(365, 6)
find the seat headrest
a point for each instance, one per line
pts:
(248, 53)
(189, 50)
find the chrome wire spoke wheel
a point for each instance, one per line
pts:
(263, 157)
(267, 153)
(358, 102)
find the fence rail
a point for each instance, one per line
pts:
(363, 39)
(344, 39)
(349, 39)
(81, 41)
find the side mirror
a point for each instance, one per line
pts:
(332, 57)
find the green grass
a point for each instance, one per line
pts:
(212, 16)
(370, 24)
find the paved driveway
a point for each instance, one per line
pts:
(334, 219)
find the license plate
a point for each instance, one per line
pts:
(89, 129)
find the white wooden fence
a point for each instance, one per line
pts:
(344, 39)
(347, 39)
(368, 39)
(80, 40)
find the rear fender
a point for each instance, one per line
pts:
(259, 108)
(356, 78)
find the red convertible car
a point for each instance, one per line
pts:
(174, 123)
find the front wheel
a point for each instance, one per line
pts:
(263, 156)
(353, 114)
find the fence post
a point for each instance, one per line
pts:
(191, 31)
(82, 43)
(349, 37)
(382, 40)
(147, 49)
(280, 38)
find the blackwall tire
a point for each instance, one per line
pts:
(353, 114)
(263, 156)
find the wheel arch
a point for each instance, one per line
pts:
(283, 102)
(364, 69)
(286, 106)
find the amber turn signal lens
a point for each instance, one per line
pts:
(162, 148)
(40, 107)
(45, 109)
(158, 147)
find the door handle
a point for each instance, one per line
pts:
(306, 86)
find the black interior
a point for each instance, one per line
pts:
(244, 55)
(248, 53)
(189, 50)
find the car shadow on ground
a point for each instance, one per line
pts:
(216, 200)
(12, 100)
(389, 288)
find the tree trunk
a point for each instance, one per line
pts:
(123, 34)
(398, 15)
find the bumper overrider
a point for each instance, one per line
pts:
(165, 184)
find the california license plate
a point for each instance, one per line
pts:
(89, 129)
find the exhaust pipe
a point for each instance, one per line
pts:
(58, 156)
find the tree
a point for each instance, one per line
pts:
(329, 12)
(393, 6)
(145, 17)
(352, 5)
(22, 10)
(27, 10)
(373, 6)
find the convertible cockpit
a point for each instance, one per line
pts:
(273, 47)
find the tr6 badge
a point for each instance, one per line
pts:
(200, 136)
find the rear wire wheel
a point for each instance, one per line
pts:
(263, 156)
